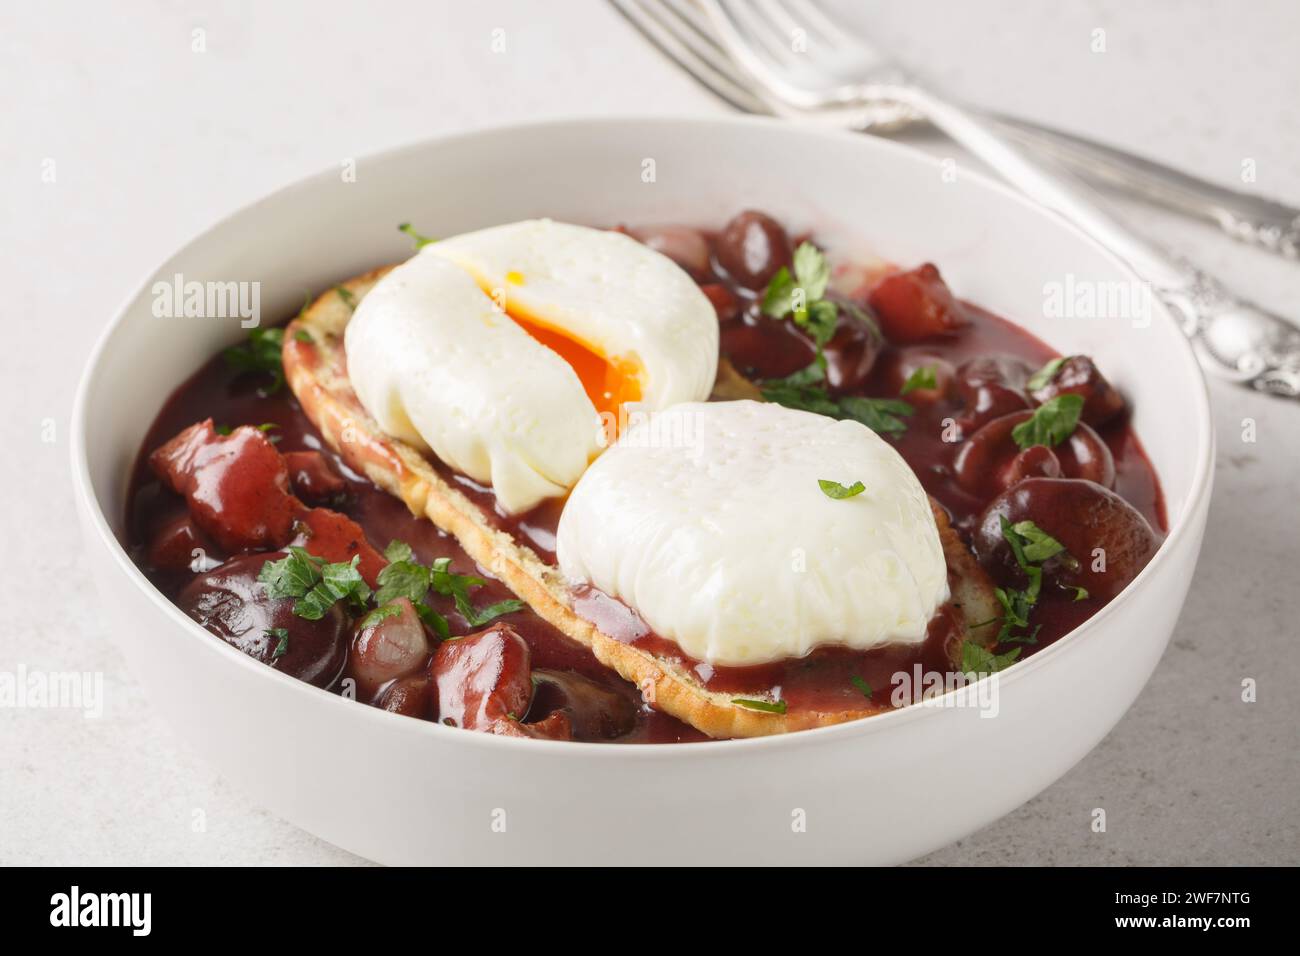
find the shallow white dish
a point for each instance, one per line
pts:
(881, 790)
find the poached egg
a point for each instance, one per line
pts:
(511, 353)
(710, 522)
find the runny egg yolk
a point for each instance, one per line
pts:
(610, 382)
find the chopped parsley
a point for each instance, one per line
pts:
(260, 353)
(1038, 545)
(349, 299)
(420, 241)
(403, 579)
(1045, 374)
(477, 617)
(398, 551)
(292, 576)
(801, 295)
(281, 635)
(881, 415)
(1016, 606)
(833, 489)
(302, 335)
(1052, 422)
(1031, 546)
(766, 706)
(406, 577)
(433, 620)
(315, 585)
(923, 377)
(863, 687)
(978, 660)
(803, 390)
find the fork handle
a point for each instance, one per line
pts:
(1235, 339)
(1255, 220)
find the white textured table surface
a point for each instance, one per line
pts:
(151, 142)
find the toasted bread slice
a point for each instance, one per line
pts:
(316, 369)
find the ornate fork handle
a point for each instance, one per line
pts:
(1253, 220)
(1247, 218)
(1282, 239)
(1236, 340)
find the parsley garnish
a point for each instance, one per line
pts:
(339, 582)
(977, 660)
(260, 353)
(1016, 606)
(406, 577)
(1038, 544)
(434, 621)
(456, 586)
(349, 299)
(398, 551)
(315, 584)
(861, 685)
(766, 706)
(281, 635)
(801, 296)
(292, 576)
(302, 335)
(1031, 546)
(802, 390)
(477, 617)
(403, 579)
(420, 241)
(1045, 374)
(923, 377)
(1052, 422)
(833, 489)
(878, 414)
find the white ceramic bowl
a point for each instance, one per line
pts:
(881, 790)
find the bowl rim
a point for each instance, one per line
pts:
(1198, 489)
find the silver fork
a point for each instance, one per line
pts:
(1234, 338)
(681, 30)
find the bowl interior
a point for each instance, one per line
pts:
(855, 192)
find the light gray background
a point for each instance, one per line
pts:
(153, 142)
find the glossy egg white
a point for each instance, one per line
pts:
(435, 357)
(438, 366)
(709, 520)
